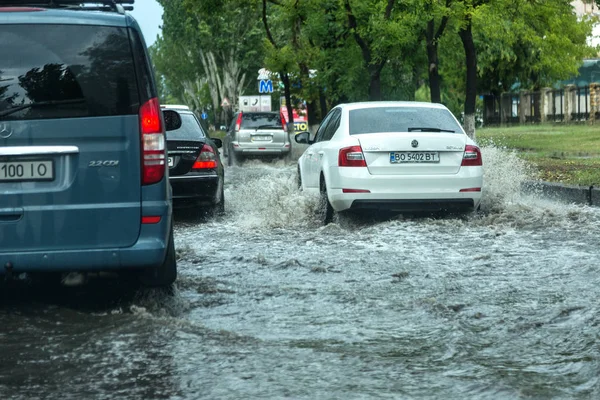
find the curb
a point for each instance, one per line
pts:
(588, 195)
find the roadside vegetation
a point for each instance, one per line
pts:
(560, 153)
(325, 52)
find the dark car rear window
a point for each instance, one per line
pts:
(190, 129)
(401, 119)
(66, 71)
(260, 120)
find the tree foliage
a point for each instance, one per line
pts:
(208, 48)
(352, 50)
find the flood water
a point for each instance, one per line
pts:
(270, 304)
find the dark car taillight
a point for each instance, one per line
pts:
(472, 157)
(351, 157)
(207, 159)
(153, 142)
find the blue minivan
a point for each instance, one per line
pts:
(83, 180)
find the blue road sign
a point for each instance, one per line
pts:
(265, 86)
(204, 115)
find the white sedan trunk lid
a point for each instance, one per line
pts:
(413, 153)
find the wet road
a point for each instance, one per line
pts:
(269, 304)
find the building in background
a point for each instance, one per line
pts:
(589, 8)
(582, 7)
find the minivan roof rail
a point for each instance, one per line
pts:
(98, 5)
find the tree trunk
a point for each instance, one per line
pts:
(322, 104)
(466, 36)
(213, 85)
(432, 40)
(433, 70)
(365, 46)
(288, 101)
(375, 82)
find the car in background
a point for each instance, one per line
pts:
(256, 134)
(391, 156)
(196, 172)
(82, 146)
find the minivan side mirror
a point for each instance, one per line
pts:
(172, 120)
(303, 138)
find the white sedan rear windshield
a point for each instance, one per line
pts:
(402, 119)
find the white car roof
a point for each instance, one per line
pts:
(375, 104)
(175, 106)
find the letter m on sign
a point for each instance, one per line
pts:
(265, 86)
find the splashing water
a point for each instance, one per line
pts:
(504, 203)
(503, 174)
(266, 195)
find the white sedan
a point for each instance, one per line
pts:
(391, 156)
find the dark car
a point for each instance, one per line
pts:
(195, 169)
(257, 135)
(83, 179)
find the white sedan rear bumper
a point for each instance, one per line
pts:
(404, 192)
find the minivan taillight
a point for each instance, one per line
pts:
(351, 157)
(207, 159)
(472, 157)
(153, 142)
(238, 122)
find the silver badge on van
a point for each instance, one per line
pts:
(5, 131)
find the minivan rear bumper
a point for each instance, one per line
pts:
(148, 252)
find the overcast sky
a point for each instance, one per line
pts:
(148, 14)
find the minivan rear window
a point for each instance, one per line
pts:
(401, 119)
(260, 120)
(66, 71)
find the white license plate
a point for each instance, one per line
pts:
(261, 138)
(170, 161)
(26, 171)
(397, 157)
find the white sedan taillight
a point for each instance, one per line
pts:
(351, 157)
(153, 142)
(472, 157)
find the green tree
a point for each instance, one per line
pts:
(209, 45)
(382, 29)
(281, 57)
(533, 44)
(438, 13)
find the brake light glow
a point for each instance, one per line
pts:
(472, 157)
(351, 157)
(153, 142)
(151, 220)
(238, 122)
(206, 159)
